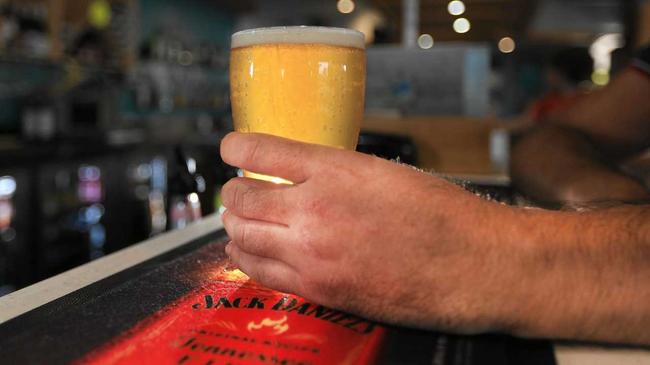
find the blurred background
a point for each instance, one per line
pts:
(111, 111)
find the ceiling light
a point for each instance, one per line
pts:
(345, 6)
(456, 7)
(462, 25)
(425, 41)
(507, 45)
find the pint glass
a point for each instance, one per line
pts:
(302, 83)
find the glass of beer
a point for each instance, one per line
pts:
(302, 83)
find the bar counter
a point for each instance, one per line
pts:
(139, 304)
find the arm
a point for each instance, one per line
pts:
(585, 274)
(572, 159)
(556, 165)
(616, 118)
(393, 244)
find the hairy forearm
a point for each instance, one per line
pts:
(584, 276)
(556, 165)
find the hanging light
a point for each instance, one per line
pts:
(507, 45)
(425, 41)
(345, 6)
(462, 25)
(456, 7)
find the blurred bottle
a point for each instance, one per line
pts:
(24, 30)
(184, 187)
(38, 119)
(7, 190)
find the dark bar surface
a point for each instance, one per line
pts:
(68, 328)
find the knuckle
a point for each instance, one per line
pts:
(226, 220)
(241, 199)
(249, 240)
(227, 192)
(242, 234)
(253, 149)
(225, 148)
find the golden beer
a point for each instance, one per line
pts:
(302, 83)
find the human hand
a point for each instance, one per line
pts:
(366, 235)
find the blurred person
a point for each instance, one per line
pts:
(574, 157)
(397, 245)
(568, 77)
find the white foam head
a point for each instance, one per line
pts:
(299, 35)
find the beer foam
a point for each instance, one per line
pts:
(299, 35)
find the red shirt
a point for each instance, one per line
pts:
(553, 102)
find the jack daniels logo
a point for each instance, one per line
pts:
(232, 320)
(289, 304)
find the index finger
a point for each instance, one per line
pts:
(268, 155)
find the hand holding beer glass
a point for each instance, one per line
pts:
(301, 83)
